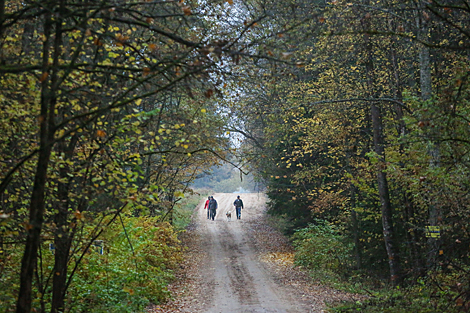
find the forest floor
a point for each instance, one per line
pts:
(243, 266)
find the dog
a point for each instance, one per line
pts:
(229, 216)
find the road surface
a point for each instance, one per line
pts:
(235, 278)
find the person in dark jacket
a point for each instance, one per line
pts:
(238, 207)
(213, 207)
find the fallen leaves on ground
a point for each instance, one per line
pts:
(187, 288)
(274, 251)
(277, 254)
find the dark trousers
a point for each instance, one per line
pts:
(239, 212)
(208, 213)
(213, 213)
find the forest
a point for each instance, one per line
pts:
(352, 116)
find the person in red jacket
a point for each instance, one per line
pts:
(206, 206)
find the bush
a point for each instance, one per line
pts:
(184, 209)
(125, 278)
(319, 247)
(440, 291)
(122, 279)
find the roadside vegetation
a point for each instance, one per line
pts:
(364, 151)
(129, 267)
(322, 250)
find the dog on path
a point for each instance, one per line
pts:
(229, 216)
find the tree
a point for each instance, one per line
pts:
(353, 114)
(101, 75)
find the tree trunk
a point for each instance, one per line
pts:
(387, 220)
(354, 219)
(2, 16)
(425, 78)
(26, 45)
(36, 218)
(382, 183)
(411, 231)
(412, 236)
(62, 238)
(424, 62)
(62, 242)
(36, 208)
(2, 253)
(357, 243)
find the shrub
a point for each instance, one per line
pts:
(319, 247)
(135, 269)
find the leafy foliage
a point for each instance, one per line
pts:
(422, 298)
(370, 136)
(113, 111)
(128, 281)
(125, 270)
(320, 247)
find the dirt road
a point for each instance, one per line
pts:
(238, 279)
(243, 266)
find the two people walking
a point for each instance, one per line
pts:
(211, 206)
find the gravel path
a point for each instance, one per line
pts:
(242, 266)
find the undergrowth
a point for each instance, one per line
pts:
(185, 209)
(128, 268)
(322, 250)
(133, 270)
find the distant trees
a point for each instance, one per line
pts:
(227, 178)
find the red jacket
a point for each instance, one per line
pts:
(207, 204)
